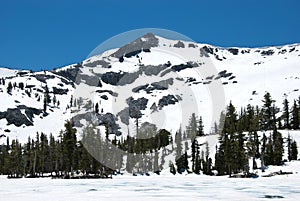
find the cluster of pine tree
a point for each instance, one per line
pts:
(59, 157)
(66, 155)
(235, 147)
(238, 142)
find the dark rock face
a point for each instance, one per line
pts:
(112, 77)
(224, 74)
(133, 53)
(282, 51)
(60, 91)
(245, 51)
(104, 97)
(87, 116)
(233, 51)
(147, 130)
(43, 77)
(167, 100)
(181, 67)
(123, 78)
(139, 88)
(21, 73)
(153, 107)
(190, 79)
(161, 85)
(154, 70)
(101, 63)
(109, 120)
(179, 44)
(70, 73)
(108, 91)
(267, 52)
(144, 43)
(135, 106)
(191, 45)
(124, 115)
(205, 51)
(128, 78)
(89, 80)
(16, 117)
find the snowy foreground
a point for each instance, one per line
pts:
(164, 187)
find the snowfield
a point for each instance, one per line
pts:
(163, 187)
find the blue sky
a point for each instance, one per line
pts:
(37, 34)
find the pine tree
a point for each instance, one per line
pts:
(47, 95)
(267, 117)
(45, 105)
(278, 147)
(289, 147)
(195, 151)
(192, 127)
(263, 150)
(294, 150)
(54, 100)
(69, 146)
(178, 141)
(295, 116)
(286, 114)
(172, 168)
(96, 108)
(200, 131)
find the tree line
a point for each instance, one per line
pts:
(239, 141)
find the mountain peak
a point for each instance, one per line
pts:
(143, 43)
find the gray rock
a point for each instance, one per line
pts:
(167, 100)
(205, 51)
(192, 45)
(96, 63)
(135, 106)
(124, 115)
(181, 67)
(108, 91)
(16, 117)
(89, 80)
(144, 43)
(179, 44)
(60, 91)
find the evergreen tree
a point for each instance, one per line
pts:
(278, 147)
(45, 105)
(192, 127)
(286, 114)
(267, 116)
(200, 131)
(263, 152)
(96, 108)
(47, 95)
(54, 100)
(172, 168)
(295, 116)
(195, 154)
(289, 147)
(294, 150)
(178, 141)
(69, 147)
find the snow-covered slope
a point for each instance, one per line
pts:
(152, 79)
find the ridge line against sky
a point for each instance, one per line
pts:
(39, 35)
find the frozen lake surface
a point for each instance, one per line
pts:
(166, 187)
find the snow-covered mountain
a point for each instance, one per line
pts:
(151, 79)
